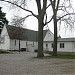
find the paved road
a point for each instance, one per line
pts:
(25, 64)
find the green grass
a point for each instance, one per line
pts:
(64, 55)
(61, 55)
(4, 52)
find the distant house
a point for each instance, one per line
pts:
(63, 45)
(10, 35)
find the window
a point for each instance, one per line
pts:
(61, 45)
(26, 43)
(33, 43)
(15, 42)
(52, 45)
(46, 45)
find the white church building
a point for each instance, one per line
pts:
(10, 35)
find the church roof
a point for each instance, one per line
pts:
(23, 34)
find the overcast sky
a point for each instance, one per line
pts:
(30, 21)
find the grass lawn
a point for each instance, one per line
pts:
(64, 55)
(4, 52)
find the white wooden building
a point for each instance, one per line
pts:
(63, 45)
(28, 38)
(10, 35)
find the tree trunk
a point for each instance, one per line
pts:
(40, 39)
(55, 37)
(19, 45)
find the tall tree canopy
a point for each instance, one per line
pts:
(3, 19)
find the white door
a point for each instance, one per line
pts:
(30, 48)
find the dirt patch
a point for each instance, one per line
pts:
(25, 64)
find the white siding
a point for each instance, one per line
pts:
(49, 48)
(14, 46)
(49, 36)
(32, 45)
(68, 46)
(29, 45)
(74, 46)
(6, 44)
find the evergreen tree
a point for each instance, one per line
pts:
(3, 19)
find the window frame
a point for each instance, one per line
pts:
(26, 43)
(52, 45)
(46, 45)
(15, 43)
(62, 45)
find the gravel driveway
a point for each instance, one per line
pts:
(25, 64)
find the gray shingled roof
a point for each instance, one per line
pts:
(25, 34)
(66, 39)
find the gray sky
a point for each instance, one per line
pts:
(30, 21)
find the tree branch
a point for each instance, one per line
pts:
(49, 21)
(48, 6)
(27, 16)
(38, 5)
(65, 15)
(46, 18)
(18, 21)
(57, 5)
(21, 8)
(43, 11)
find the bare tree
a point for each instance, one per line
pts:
(41, 8)
(62, 11)
(18, 22)
(57, 5)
